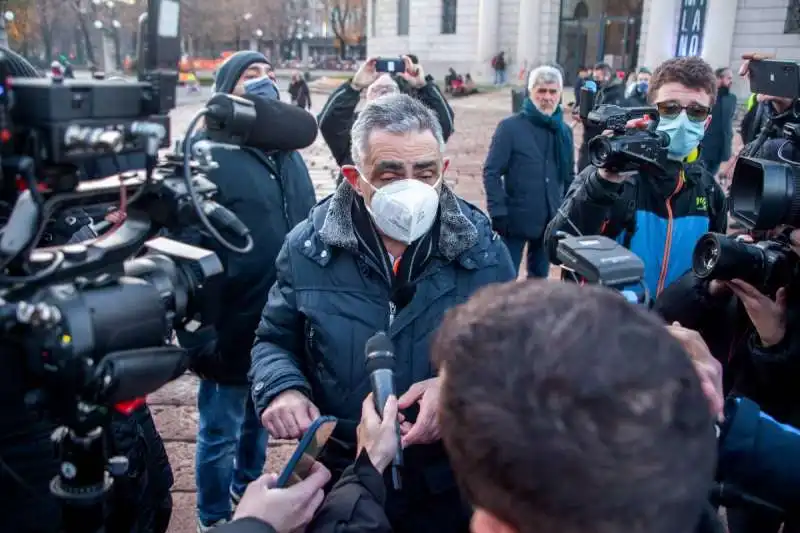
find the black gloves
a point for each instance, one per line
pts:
(500, 226)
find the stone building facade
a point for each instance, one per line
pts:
(466, 34)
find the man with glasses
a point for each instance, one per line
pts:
(529, 167)
(658, 217)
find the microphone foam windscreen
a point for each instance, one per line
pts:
(280, 126)
(379, 352)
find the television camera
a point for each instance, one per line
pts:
(764, 195)
(626, 149)
(93, 326)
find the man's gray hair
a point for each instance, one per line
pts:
(392, 113)
(545, 74)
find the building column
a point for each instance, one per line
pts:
(718, 32)
(527, 40)
(488, 37)
(660, 31)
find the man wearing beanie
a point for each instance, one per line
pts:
(270, 192)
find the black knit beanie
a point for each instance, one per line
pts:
(232, 69)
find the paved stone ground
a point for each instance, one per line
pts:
(174, 405)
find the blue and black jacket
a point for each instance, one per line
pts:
(659, 219)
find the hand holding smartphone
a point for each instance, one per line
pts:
(394, 65)
(307, 451)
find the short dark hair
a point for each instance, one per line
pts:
(693, 72)
(602, 66)
(566, 409)
(721, 71)
(644, 70)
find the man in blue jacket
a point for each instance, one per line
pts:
(658, 217)
(392, 250)
(529, 167)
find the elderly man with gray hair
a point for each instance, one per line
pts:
(529, 167)
(392, 250)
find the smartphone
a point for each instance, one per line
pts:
(775, 78)
(308, 449)
(394, 65)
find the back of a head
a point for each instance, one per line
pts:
(565, 409)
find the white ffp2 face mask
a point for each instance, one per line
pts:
(404, 210)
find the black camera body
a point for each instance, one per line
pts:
(767, 265)
(627, 149)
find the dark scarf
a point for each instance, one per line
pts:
(564, 151)
(412, 264)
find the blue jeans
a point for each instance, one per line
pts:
(499, 77)
(538, 262)
(231, 448)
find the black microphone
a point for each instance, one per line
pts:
(259, 122)
(380, 365)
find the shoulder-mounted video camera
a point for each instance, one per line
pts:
(626, 149)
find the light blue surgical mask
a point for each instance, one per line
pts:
(684, 135)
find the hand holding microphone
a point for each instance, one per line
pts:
(377, 434)
(379, 353)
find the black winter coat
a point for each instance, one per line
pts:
(718, 139)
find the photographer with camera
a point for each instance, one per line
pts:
(339, 112)
(270, 192)
(659, 210)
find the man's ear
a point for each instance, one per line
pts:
(708, 122)
(352, 175)
(485, 522)
(445, 165)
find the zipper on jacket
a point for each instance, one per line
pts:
(392, 313)
(662, 277)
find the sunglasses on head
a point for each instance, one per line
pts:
(695, 112)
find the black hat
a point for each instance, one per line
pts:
(232, 69)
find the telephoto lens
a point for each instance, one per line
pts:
(767, 265)
(765, 194)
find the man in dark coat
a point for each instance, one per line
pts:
(717, 143)
(299, 91)
(529, 167)
(392, 250)
(270, 192)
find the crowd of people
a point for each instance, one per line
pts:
(522, 405)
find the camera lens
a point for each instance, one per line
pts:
(765, 194)
(720, 257)
(599, 150)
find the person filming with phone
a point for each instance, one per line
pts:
(355, 504)
(391, 250)
(658, 215)
(375, 78)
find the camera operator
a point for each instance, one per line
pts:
(753, 334)
(141, 501)
(611, 92)
(658, 217)
(355, 504)
(270, 192)
(339, 113)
